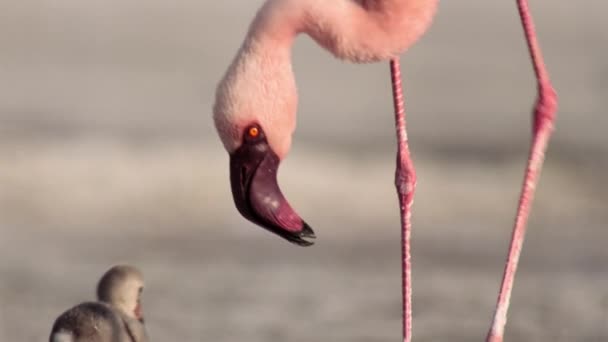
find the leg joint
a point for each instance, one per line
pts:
(546, 105)
(405, 182)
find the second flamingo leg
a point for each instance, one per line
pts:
(405, 181)
(544, 117)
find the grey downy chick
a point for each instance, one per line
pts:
(117, 316)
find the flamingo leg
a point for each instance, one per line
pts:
(405, 182)
(544, 117)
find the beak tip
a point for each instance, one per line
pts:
(307, 231)
(305, 236)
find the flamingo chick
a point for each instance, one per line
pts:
(256, 101)
(116, 317)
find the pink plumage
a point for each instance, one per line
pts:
(256, 103)
(259, 85)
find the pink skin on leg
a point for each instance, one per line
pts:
(544, 117)
(405, 182)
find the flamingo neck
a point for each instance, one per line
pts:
(276, 24)
(358, 31)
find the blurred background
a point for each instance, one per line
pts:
(108, 154)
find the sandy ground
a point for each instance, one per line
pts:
(70, 211)
(107, 154)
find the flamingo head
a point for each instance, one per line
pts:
(121, 287)
(254, 114)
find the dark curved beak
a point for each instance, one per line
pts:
(257, 196)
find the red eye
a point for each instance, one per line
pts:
(253, 132)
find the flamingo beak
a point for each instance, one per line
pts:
(138, 312)
(257, 196)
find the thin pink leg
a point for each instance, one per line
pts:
(405, 181)
(544, 117)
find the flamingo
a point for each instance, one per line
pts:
(256, 100)
(117, 316)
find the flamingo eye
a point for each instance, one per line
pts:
(253, 132)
